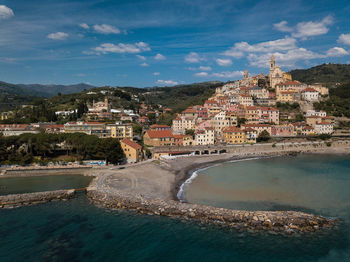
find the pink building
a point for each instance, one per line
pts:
(283, 130)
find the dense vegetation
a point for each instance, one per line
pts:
(180, 97)
(328, 74)
(339, 102)
(42, 148)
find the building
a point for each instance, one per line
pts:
(250, 135)
(295, 86)
(159, 127)
(181, 123)
(99, 107)
(246, 100)
(276, 73)
(310, 94)
(16, 129)
(121, 131)
(286, 96)
(282, 130)
(143, 120)
(324, 128)
(316, 113)
(204, 137)
(89, 128)
(159, 138)
(132, 150)
(219, 121)
(320, 88)
(54, 129)
(258, 127)
(232, 135)
(3, 116)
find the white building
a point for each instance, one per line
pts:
(315, 113)
(324, 128)
(204, 137)
(309, 94)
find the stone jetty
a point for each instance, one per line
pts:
(277, 222)
(18, 200)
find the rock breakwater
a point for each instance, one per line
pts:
(275, 222)
(18, 200)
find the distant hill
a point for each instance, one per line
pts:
(52, 90)
(12, 95)
(330, 75)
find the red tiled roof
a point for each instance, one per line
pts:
(232, 129)
(159, 126)
(289, 83)
(309, 90)
(55, 126)
(159, 133)
(131, 143)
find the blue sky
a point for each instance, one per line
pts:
(148, 43)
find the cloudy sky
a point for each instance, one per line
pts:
(155, 42)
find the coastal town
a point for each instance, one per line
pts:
(247, 111)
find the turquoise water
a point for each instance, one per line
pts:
(30, 184)
(78, 231)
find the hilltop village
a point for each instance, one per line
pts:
(247, 111)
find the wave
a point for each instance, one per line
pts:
(181, 194)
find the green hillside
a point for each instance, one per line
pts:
(330, 75)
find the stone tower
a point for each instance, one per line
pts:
(272, 63)
(246, 74)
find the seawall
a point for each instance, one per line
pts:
(18, 200)
(274, 222)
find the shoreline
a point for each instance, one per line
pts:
(152, 189)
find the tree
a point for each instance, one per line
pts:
(189, 132)
(241, 121)
(263, 136)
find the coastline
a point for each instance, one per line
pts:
(152, 188)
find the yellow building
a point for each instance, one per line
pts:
(3, 116)
(159, 138)
(232, 135)
(286, 96)
(287, 76)
(121, 131)
(132, 150)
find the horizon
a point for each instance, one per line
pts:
(163, 43)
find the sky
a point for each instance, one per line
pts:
(148, 43)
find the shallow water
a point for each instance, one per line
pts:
(30, 184)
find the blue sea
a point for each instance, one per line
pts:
(76, 230)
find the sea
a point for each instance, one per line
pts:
(77, 230)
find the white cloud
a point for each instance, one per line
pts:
(141, 57)
(228, 74)
(167, 82)
(224, 62)
(5, 12)
(193, 57)
(58, 36)
(156, 73)
(205, 68)
(106, 29)
(336, 51)
(121, 48)
(282, 26)
(84, 25)
(344, 39)
(307, 29)
(159, 57)
(240, 48)
(144, 64)
(201, 74)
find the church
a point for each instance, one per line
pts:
(276, 74)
